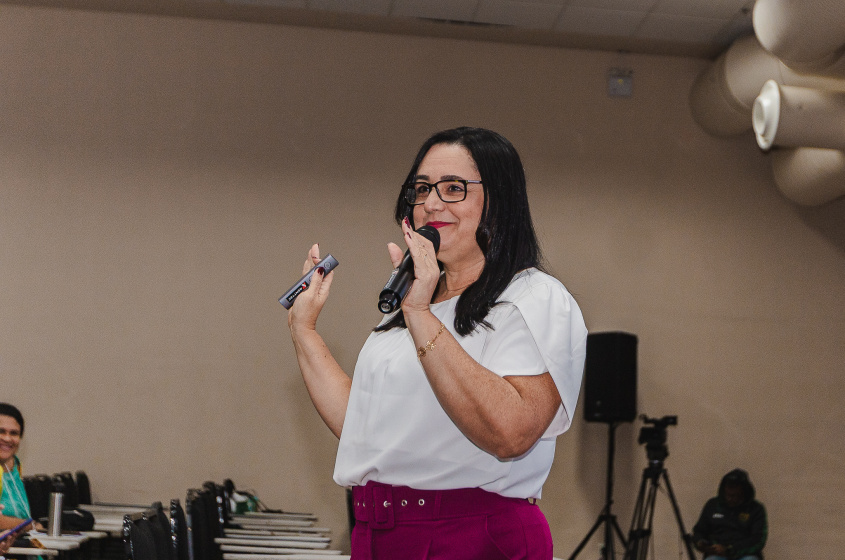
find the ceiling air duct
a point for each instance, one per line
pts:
(809, 176)
(722, 96)
(797, 116)
(798, 53)
(807, 35)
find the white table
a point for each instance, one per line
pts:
(61, 543)
(26, 551)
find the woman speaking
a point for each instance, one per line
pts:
(447, 428)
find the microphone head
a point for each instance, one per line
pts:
(432, 235)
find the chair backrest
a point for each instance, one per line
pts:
(46, 483)
(138, 538)
(224, 497)
(71, 498)
(178, 531)
(38, 498)
(204, 523)
(160, 526)
(83, 488)
(220, 506)
(200, 538)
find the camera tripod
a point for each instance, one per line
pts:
(606, 517)
(641, 523)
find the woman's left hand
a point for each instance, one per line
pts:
(426, 270)
(309, 304)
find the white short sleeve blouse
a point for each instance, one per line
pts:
(396, 432)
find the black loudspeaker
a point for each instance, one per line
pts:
(610, 377)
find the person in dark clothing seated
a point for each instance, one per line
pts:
(733, 525)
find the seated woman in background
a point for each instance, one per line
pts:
(12, 493)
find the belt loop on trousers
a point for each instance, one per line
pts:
(383, 517)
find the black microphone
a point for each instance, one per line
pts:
(400, 280)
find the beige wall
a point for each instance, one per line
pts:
(161, 180)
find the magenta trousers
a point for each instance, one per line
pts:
(397, 522)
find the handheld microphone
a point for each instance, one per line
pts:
(400, 280)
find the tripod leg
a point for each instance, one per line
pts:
(646, 540)
(606, 516)
(608, 552)
(684, 536)
(638, 538)
(586, 539)
(619, 533)
(636, 520)
(610, 521)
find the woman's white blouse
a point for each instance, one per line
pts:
(395, 431)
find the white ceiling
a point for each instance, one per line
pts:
(701, 28)
(689, 27)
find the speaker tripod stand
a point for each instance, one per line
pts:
(640, 534)
(606, 518)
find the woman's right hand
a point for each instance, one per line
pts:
(307, 306)
(6, 544)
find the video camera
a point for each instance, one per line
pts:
(654, 436)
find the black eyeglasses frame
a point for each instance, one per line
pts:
(410, 188)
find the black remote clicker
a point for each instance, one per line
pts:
(327, 264)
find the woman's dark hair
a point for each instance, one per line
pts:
(505, 234)
(7, 409)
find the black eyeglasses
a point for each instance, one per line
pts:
(449, 190)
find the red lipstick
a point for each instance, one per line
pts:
(437, 225)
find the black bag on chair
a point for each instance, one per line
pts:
(77, 520)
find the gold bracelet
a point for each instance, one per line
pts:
(430, 344)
